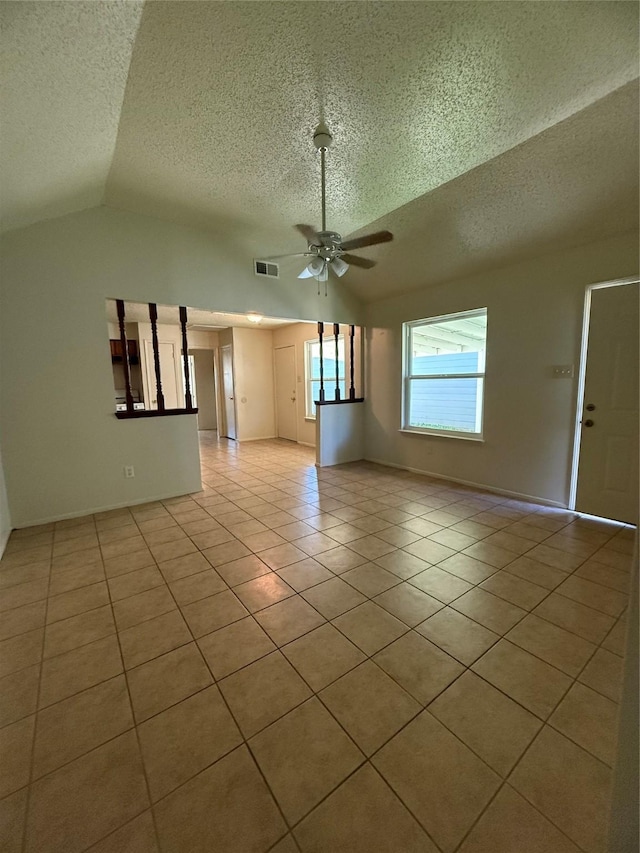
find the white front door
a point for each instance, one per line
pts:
(608, 464)
(169, 367)
(286, 411)
(228, 391)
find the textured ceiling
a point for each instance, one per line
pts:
(222, 100)
(571, 184)
(64, 68)
(451, 120)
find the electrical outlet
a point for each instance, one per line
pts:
(563, 371)
(129, 472)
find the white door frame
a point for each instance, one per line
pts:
(582, 372)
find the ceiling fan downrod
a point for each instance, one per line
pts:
(322, 139)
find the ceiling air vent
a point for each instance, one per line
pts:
(264, 268)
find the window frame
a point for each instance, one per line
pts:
(328, 341)
(407, 377)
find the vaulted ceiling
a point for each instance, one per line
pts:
(477, 131)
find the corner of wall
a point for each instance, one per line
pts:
(5, 516)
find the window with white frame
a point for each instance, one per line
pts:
(444, 370)
(312, 371)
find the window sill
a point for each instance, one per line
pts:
(439, 434)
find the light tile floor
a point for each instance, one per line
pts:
(352, 659)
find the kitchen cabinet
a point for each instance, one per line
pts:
(116, 351)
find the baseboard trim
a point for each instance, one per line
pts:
(306, 444)
(256, 438)
(81, 513)
(492, 489)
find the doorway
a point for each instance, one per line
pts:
(228, 392)
(285, 381)
(605, 465)
(204, 385)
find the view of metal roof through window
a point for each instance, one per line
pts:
(466, 334)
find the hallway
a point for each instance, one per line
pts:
(323, 660)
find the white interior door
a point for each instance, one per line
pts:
(167, 351)
(286, 412)
(228, 390)
(608, 464)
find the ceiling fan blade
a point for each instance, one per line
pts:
(365, 263)
(368, 240)
(292, 255)
(310, 234)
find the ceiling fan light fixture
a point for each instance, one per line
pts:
(254, 317)
(339, 266)
(314, 268)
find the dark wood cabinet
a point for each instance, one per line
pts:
(116, 351)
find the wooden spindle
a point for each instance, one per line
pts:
(153, 316)
(336, 332)
(125, 355)
(352, 387)
(320, 336)
(185, 359)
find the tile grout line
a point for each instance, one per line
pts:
(135, 729)
(25, 823)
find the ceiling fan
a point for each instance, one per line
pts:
(326, 249)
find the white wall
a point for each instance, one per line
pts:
(254, 388)
(339, 434)
(63, 448)
(534, 322)
(205, 388)
(202, 340)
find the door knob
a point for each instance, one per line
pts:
(293, 399)
(588, 423)
(590, 407)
